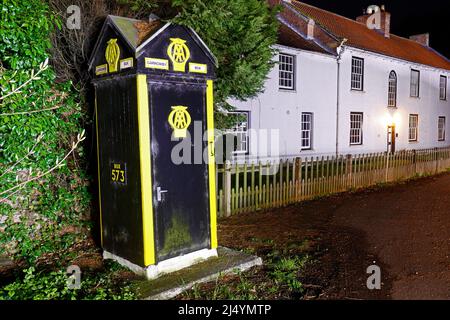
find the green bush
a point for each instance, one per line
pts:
(53, 286)
(38, 126)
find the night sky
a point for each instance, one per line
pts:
(407, 17)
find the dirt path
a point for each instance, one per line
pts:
(404, 229)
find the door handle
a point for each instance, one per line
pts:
(159, 192)
(211, 147)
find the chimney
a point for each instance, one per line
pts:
(310, 29)
(423, 39)
(377, 18)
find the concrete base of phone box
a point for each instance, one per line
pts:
(166, 266)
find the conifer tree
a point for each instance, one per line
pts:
(241, 34)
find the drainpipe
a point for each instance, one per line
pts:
(340, 51)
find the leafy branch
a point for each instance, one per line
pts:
(59, 163)
(34, 76)
(29, 112)
(30, 152)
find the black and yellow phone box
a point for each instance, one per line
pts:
(154, 114)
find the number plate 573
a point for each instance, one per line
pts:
(118, 173)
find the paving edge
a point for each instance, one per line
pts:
(173, 292)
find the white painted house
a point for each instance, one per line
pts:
(343, 86)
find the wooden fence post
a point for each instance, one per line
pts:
(226, 181)
(436, 159)
(300, 179)
(349, 169)
(387, 167)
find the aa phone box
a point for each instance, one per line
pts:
(153, 85)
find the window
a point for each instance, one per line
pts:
(357, 73)
(415, 83)
(413, 127)
(443, 88)
(441, 129)
(356, 123)
(392, 90)
(306, 130)
(240, 130)
(286, 71)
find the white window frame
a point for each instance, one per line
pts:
(357, 75)
(240, 130)
(392, 89)
(441, 128)
(286, 71)
(443, 87)
(413, 127)
(306, 130)
(414, 88)
(356, 128)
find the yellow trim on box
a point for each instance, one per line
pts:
(102, 66)
(98, 171)
(198, 68)
(211, 163)
(126, 60)
(159, 67)
(145, 166)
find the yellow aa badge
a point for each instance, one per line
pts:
(178, 53)
(112, 55)
(179, 120)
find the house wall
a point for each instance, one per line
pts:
(373, 101)
(280, 110)
(316, 92)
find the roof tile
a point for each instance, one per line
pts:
(288, 37)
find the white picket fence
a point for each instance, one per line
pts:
(277, 183)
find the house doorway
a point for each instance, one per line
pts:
(391, 136)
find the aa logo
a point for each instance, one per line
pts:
(112, 55)
(178, 53)
(179, 120)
